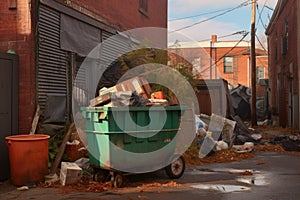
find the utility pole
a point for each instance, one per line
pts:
(253, 66)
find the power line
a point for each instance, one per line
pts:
(260, 14)
(221, 58)
(230, 10)
(224, 36)
(260, 43)
(270, 8)
(198, 15)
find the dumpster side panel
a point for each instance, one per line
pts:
(108, 140)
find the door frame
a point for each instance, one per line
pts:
(15, 90)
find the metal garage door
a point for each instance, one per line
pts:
(52, 60)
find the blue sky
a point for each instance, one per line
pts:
(231, 22)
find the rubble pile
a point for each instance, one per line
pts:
(226, 140)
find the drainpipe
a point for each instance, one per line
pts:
(212, 42)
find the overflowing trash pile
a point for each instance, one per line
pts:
(133, 92)
(216, 133)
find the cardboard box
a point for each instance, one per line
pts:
(137, 84)
(70, 173)
(100, 100)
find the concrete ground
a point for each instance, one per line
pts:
(266, 176)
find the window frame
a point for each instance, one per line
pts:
(225, 66)
(257, 71)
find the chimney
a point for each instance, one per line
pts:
(214, 38)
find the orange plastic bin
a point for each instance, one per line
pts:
(28, 156)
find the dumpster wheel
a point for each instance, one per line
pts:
(101, 175)
(117, 180)
(176, 168)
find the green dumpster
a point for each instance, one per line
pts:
(133, 130)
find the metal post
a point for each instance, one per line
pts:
(216, 68)
(253, 66)
(210, 69)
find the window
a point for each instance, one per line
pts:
(144, 7)
(12, 4)
(260, 72)
(228, 64)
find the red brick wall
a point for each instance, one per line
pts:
(16, 34)
(281, 64)
(126, 15)
(241, 75)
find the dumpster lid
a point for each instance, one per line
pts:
(132, 108)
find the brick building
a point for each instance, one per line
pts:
(47, 40)
(32, 29)
(283, 38)
(229, 60)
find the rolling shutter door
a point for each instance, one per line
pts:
(52, 61)
(114, 46)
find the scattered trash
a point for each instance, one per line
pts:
(74, 142)
(218, 136)
(221, 145)
(23, 188)
(207, 147)
(247, 147)
(266, 122)
(245, 134)
(70, 173)
(288, 142)
(83, 163)
(51, 178)
(200, 123)
(222, 128)
(256, 136)
(241, 97)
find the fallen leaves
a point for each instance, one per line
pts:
(246, 173)
(156, 184)
(81, 186)
(192, 158)
(269, 148)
